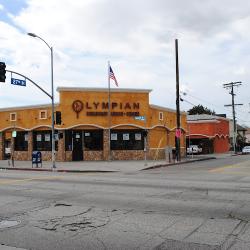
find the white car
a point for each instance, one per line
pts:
(194, 149)
(246, 150)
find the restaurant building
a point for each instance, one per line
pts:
(210, 132)
(84, 122)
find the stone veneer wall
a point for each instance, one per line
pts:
(68, 155)
(46, 155)
(156, 154)
(105, 144)
(159, 154)
(30, 145)
(127, 155)
(12, 143)
(93, 155)
(152, 154)
(1, 146)
(21, 155)
(61, 155)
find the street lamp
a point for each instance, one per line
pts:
(52, 100)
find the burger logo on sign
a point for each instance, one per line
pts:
(77, 107)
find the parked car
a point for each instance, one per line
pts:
(194, 149)
(246, 150)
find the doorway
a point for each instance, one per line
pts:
(77, 152)
(7, 149)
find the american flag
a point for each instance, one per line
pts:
(112, 76)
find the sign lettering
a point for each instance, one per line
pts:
(18, 82)
(96, 108)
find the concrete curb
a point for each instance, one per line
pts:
(59, 170)
(178, 163)
(101, 171)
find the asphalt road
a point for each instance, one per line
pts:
(203, 205)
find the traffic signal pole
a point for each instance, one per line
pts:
(51, 96)
(27, 78)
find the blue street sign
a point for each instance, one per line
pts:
(18, 82)
(140, 118)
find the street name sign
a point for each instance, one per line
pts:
(18, 82)
(140, 118)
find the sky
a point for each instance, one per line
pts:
(138, 38)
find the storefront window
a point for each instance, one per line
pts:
(68, 140)
(21, 141)
(42, 141)
(93, 140)
(127, 140)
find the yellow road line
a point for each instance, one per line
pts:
(221, 169)
(31, 179)
(237, 173)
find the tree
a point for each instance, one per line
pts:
(199, 109)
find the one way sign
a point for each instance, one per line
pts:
(18, 82)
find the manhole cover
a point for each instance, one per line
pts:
(8, 223)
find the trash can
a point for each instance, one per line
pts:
(36, 158)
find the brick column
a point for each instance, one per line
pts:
(61, 147)
(30, 145)
(12, 146)
(1, 145)
(105, 144)
(148, 150)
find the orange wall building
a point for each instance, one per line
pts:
(208, 131)
(83, 133)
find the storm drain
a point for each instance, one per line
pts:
(8, 223)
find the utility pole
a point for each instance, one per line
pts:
(178, 133)
(231, 86)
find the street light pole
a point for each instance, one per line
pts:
(178, 122)
(53, 112)
(52, 100)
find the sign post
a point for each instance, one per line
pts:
(143, 118)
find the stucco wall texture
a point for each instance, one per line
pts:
(126, 104)
(216, 130)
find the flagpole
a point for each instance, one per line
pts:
(109, 114)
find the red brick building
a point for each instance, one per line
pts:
(210, 132)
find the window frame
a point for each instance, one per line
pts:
(130, 142)
(44, 144)
(69, 140)
(19, 141)
(96, 144)
(40, 114)
(161, 115)
(15, 114)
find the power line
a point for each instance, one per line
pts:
(200, 99)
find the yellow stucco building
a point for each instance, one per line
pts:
(86, 122)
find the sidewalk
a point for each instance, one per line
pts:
(82, 166)
(99, 166)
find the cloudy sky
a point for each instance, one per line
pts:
(137, 37)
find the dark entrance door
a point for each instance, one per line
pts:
(7, 149)
(77, 153)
